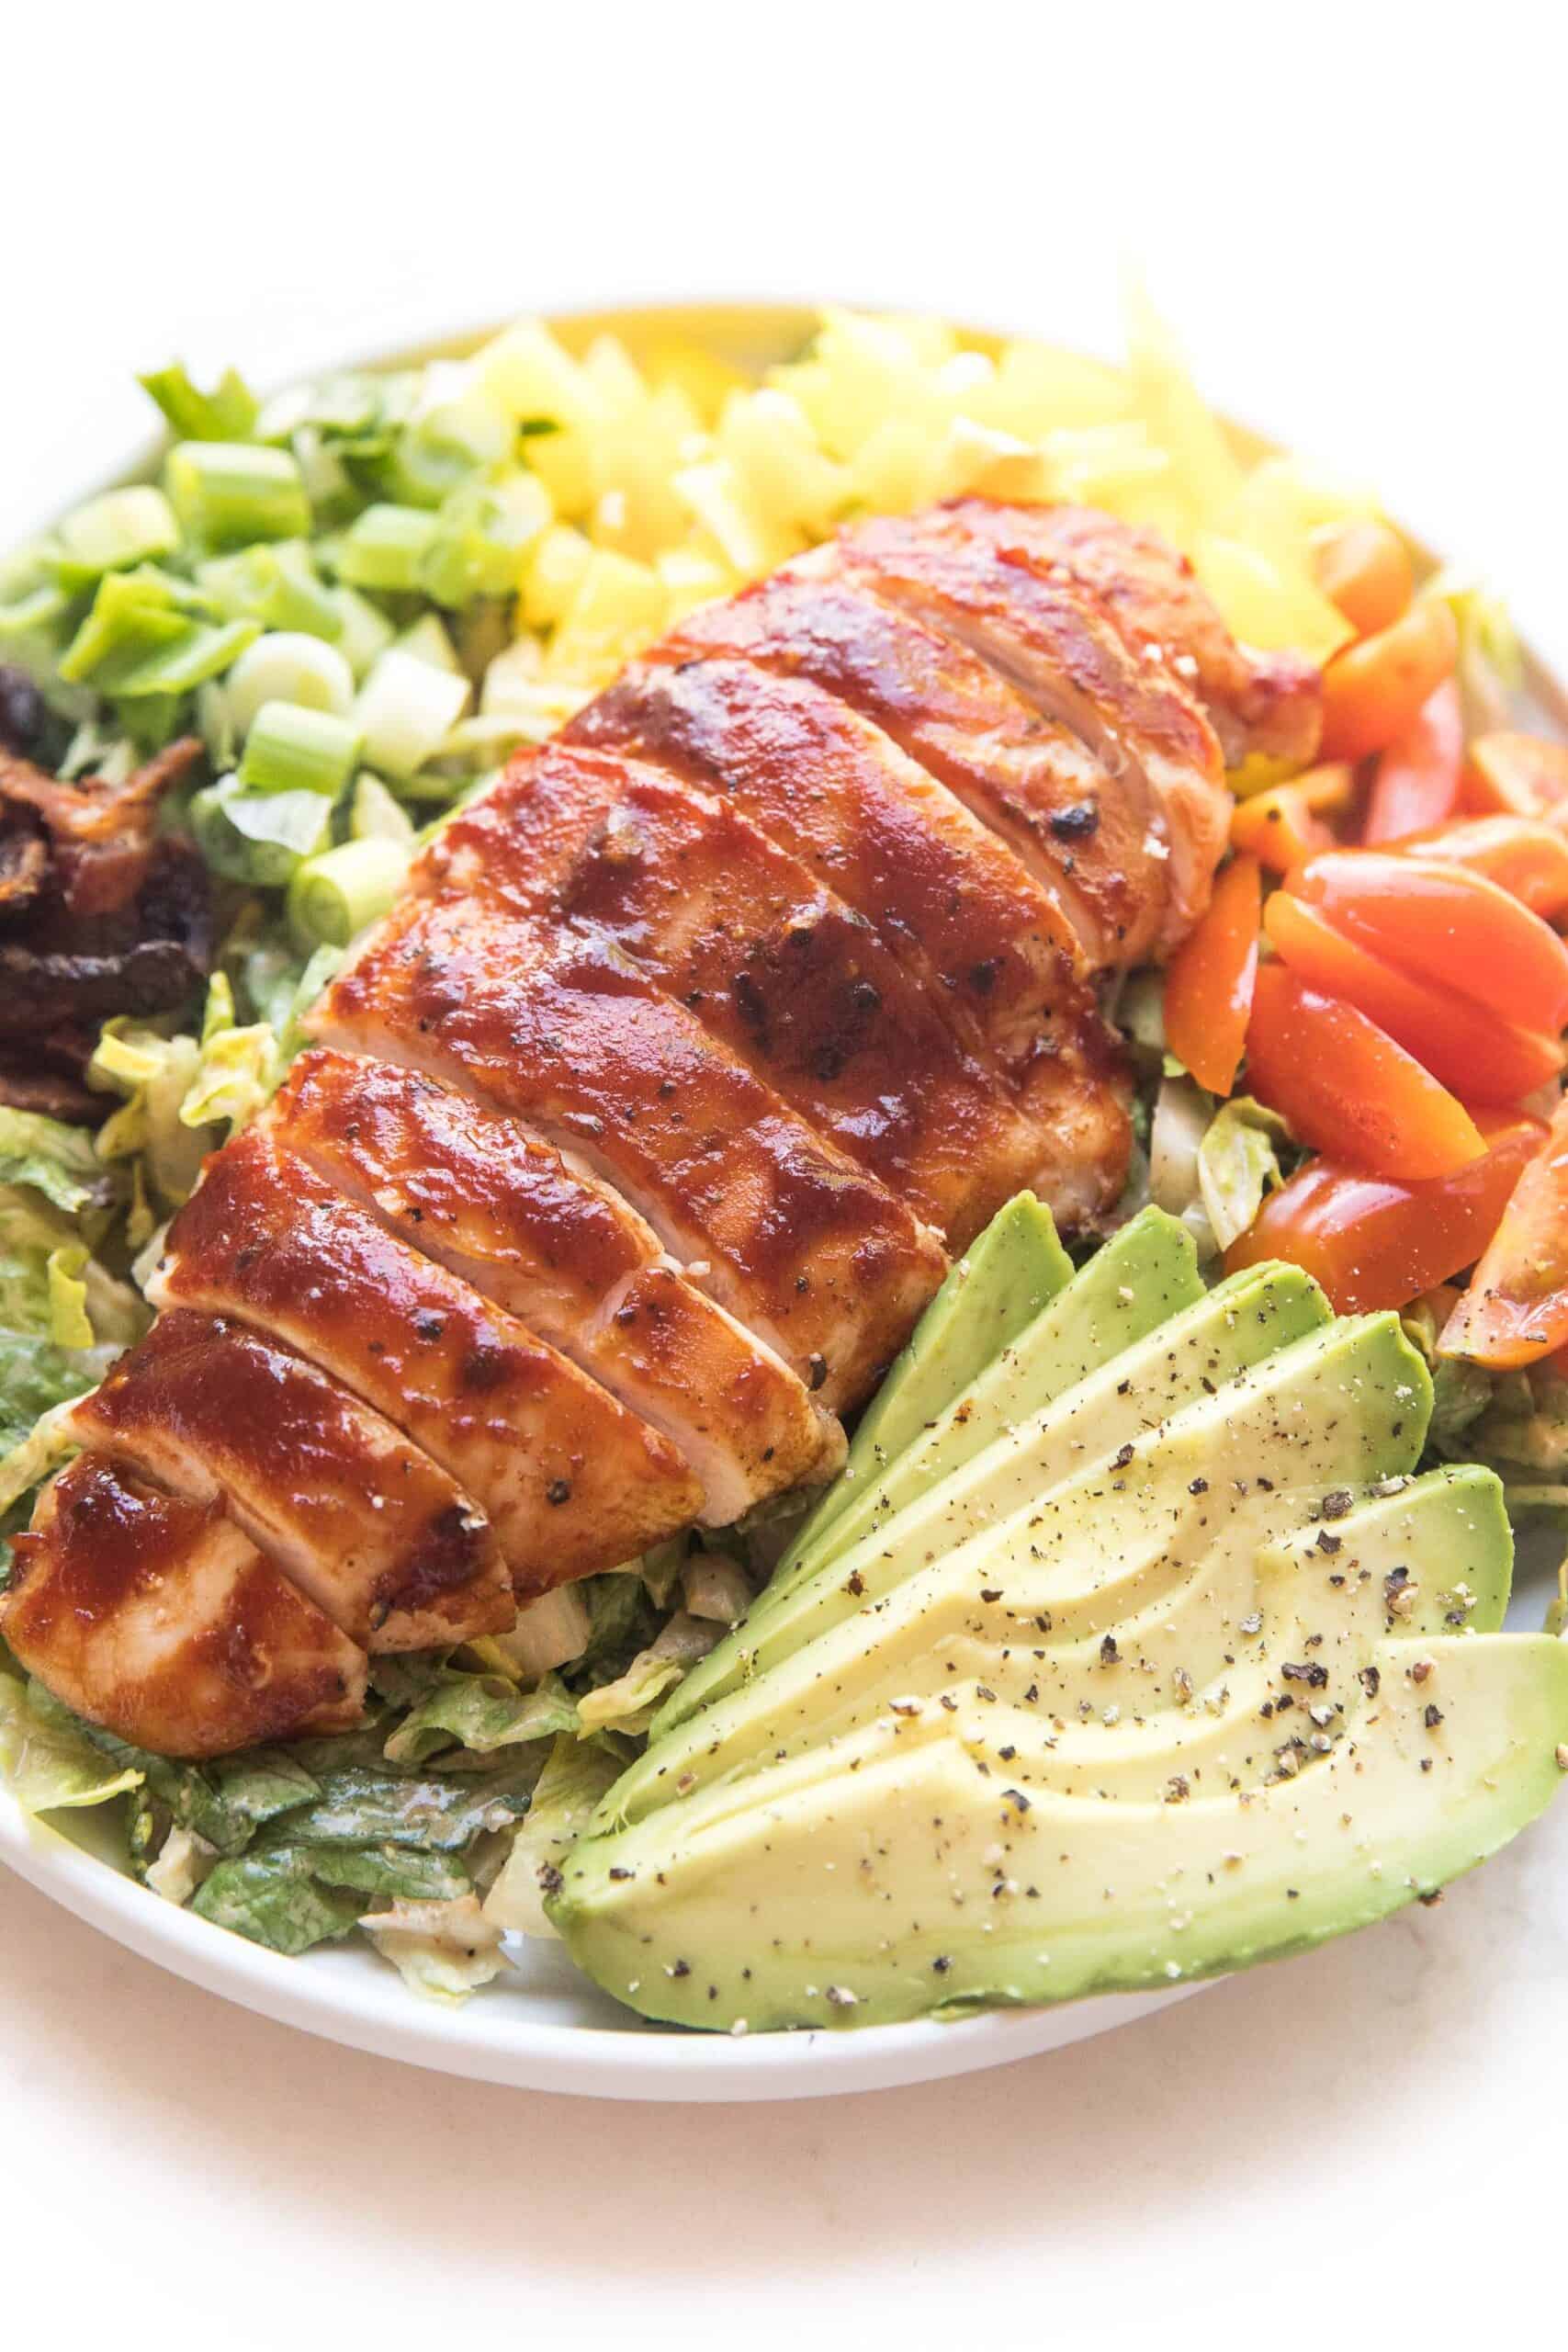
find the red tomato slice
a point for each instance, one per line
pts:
(1444, 923)
(1373, 691)
(1373, 1243)
(1283, 827)
(1418, 776)
(1523, 775)
(1470, 1050)
(1524, 855)
(1208, 989)
(1347, 1089)
(1516, 1310)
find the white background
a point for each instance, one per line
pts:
(1356, 216)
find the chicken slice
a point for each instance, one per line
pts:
(514, 1217)
(1268, 705)
(812, 1254)
(385, 1544)
(155, 1617)
(1056, 641)
(570, 1480)
(992, 950)
(776, 967)
(1032, 779)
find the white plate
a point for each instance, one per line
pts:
(546, 2028)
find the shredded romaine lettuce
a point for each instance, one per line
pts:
(442, 1950)
(46, 1762)
(576, 1776)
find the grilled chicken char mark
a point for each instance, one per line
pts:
(1268, 705)
(1030, 778)
(366, 1525)
(991, 949)
(570, 1480)
(806, 1250)
(156, 1618)
(793, 983)
(512, 1217)
(1053, 638)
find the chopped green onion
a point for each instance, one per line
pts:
(365, 633)
(376, 815)
(226, 494)
(290, 748)
(485, 531)
(145, 635)
(277, 585)
(427, 640)
(385, 548)
(333, 897)
(259, 837)
(287, 666)
(226, 414)
(407, 708)
(111, 533)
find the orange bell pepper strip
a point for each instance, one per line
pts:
(1364, 569)
(1467, 1049)
(1284, 825)
(1447, 924)
(1524, 855)
(1372, 692)
(1208, 989)
(1521, 776)
(1418, 777)
(1344, 1087)
(1516, 1311)
(1374, 1244)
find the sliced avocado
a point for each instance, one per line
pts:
(1167, 1526)
(1147, 1273)
(1291, 1684)
(1246, 1321)
(925, 1882)
(1004, 1279)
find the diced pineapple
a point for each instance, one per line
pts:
(1266, 603)
(556, 563)
(693, 576)
(862, 372)
(780, 463)
(702, 377)
(537, 382)
(750, 541)
(1036, 390)
(620, 606)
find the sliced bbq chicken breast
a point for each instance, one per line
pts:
(1090, 843)
(1263, 704)
(570, 1480)
(1053, 638)
(157, 1618)
(366, 1525)
(814, 1255)
(793, 983)
(532, 1229)
(638, 1133)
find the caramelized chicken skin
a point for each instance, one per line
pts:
(156, 1618)
(515, 1219)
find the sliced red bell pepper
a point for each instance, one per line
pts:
(1522, 775)
(1284, 825)
(1208, 989)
